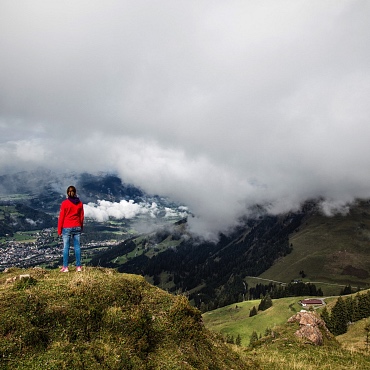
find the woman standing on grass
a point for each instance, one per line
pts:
(70, 225)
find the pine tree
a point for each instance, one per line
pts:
(350, 306)
(326, 317)
(347, 290)
(253, 312)
(366, 305)
(268, 332)
(363, 305)
(253, 339)
(266, 302)
(261, 306)
(356, 315)
(339, 317)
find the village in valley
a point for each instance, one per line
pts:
(29, 248)
(41, 248)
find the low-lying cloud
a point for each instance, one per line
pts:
(219, 106)
(105, 210)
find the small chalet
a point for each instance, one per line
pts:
(311, 302)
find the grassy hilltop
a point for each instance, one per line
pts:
(101, 319)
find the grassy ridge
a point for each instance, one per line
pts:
(100, 319)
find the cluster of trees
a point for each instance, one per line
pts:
(254, 338)
(346, 311)
(266, 302)
(347, 290)
(293, 289)
(231, 340)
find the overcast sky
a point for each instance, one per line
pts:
(218, 104)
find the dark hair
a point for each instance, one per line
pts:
(71, 189)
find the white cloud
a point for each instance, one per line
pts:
(217, 105)
(331, 208)
(31, 222)
(105, 210)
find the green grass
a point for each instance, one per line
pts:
(100, 319)
(284, 351)
(234, 319)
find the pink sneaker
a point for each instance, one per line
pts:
(78, 268)
(64, 269)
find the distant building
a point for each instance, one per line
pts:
(312, 302)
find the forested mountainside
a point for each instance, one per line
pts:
(211, 273)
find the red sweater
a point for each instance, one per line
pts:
(71, 215)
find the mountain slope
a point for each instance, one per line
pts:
(332, 250)
(102, 319)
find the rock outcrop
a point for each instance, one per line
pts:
(311, 327)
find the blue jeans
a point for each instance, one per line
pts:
(74, 233)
